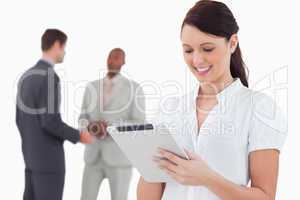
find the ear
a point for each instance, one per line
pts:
(233, 42)
(56, 45)
(108, 61)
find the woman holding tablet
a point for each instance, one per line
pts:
(232, 134)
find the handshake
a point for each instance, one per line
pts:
(97, 129)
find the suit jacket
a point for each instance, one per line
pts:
(126, 105)
(39, 121)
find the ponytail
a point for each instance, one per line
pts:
(238, 68)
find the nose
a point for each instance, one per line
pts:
(198, 60)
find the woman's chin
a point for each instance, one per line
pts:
(203, 78)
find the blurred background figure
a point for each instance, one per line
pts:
(113, 99)
(40, 125)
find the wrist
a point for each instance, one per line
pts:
(210, 179)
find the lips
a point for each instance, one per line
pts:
(203, 70)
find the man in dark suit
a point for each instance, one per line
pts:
(40, 125)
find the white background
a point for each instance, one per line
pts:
(149, 33)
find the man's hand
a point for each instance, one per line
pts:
(86, 138)
(98, 129)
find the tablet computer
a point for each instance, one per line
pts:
(140, 143)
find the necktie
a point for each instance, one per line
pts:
(107, 90)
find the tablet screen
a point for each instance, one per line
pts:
(140, 127)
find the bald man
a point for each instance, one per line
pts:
(109, 100)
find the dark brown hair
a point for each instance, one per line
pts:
(215, 18)
(50, 36)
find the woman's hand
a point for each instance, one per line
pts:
(187, 172)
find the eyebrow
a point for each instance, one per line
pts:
(205, 43)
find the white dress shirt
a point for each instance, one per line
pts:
(108, 86)
(243, 121)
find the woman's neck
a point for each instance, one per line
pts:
(213, 88)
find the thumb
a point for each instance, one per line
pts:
(191, 155)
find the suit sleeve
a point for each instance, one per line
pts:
(84, 117)
(138, 105)
(51, 120)
(17, 119)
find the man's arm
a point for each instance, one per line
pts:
(138, 105)
(84, 118)
(51, 119)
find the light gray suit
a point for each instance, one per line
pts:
(103, 158)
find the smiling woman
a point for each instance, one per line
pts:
(209, 38)
(222, 162)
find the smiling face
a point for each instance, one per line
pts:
(208, 56)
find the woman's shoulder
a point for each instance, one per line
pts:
(254, 99)
(260, 101)
(266, 109)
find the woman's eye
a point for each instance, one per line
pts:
(208, 49)
(188, 51)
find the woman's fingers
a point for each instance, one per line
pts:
(167, 165)
(172, 157)
(191, 155)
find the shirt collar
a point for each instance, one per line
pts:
(228, 91)
(114, 80)
(47, 61)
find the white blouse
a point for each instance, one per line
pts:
(243, 121)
